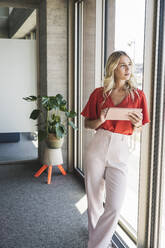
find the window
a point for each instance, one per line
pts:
(136, 27)
(78, 84)
(128, 18)
(129, 36)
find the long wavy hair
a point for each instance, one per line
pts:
(109, 79)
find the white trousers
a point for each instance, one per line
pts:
(105, 180)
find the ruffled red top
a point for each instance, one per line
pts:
(94, 105)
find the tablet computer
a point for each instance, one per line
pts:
(116, 113)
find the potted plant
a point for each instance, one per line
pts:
(54, 118)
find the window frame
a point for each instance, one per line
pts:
(151, 162)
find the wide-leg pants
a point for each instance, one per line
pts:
(105, 181)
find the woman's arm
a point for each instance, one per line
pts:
(136, 120)
(93, 124)
(137, 129)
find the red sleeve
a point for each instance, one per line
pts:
(143, 105)
(90, 109)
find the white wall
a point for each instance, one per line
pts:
(18, 79)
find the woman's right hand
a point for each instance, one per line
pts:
(94, 124)
(103, 115)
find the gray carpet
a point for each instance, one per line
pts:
(36, 215)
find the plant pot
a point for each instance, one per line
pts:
(53, 142)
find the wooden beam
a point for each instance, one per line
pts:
(17, 18)
(20, 3)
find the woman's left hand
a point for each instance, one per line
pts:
(136, 119)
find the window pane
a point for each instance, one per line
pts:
(129, 37)
(78, 82)
(163, 220)
(162, 227)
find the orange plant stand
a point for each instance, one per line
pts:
(51, 157)
(44, 167)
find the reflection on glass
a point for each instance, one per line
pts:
(129, 36)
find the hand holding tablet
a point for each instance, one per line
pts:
(116, 113)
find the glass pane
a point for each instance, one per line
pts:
(162, 227)
(78, 82)
(129, 37)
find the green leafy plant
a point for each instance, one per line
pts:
(51, 113)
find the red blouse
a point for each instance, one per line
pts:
(94, 105)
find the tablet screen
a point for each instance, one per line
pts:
(121, 113)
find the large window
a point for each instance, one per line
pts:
(163, 199)
(89, 47)
(129, 37)
(135, 26)
(158, 186)
(78, 84)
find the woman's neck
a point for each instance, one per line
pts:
(119, 84)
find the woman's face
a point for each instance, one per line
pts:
(124, 69)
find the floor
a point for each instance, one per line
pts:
(34, 214)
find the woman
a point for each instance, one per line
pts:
(107, 153)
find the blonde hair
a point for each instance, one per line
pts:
(109, 79)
